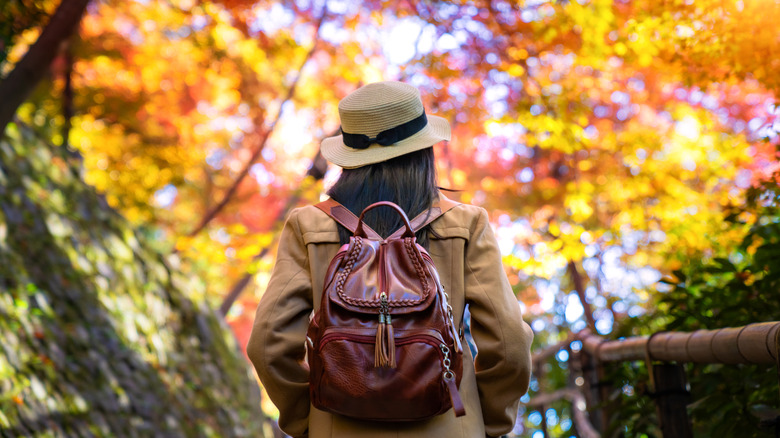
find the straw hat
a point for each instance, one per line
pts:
(380, 121)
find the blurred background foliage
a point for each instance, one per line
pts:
(625, 149)
(738, 288)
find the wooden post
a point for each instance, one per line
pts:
(590, 372)
(777, 356)
(538, 368)
(671, 400)
(604, 388)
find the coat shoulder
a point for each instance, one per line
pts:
(311, 218)
(460, 221)
(314, 225)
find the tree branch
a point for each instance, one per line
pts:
(576, 279)
(212, 213)
(540, 356)
(316, 171)
(18, 85)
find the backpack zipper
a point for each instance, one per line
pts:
(382, 271)
(428, 337)
(384, 348)
(364, 336)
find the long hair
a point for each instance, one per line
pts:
(409, 181)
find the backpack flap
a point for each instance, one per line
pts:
(372, 268)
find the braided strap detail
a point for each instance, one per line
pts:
(342, 276)
(417, 260)
(351, 259)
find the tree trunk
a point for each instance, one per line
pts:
(18, 85)
(68, 110)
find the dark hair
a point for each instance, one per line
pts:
(408, 180)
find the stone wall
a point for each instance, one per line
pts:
(99, 334)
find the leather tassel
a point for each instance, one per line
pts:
(383, 357)
(390, 344)
(380, 334)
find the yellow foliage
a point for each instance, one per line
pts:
(517, 53)
(193, 109)
(579, 207)
(516, 70)
(458, 177)
(489, 184)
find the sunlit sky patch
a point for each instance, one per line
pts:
(164, 197)
(399, 42)
(295, 133)
(689, 127)
(270, 20)
(333, 32)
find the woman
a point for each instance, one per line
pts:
(386, 153)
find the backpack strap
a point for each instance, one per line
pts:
(423, 219)
(343, 216)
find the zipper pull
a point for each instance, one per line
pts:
(384, 346)
(383, 305)
(380, 335)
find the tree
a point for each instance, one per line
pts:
(17, 85)
(608, 139)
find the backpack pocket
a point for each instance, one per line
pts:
(345, 381)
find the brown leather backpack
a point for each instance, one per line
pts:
(383, 346)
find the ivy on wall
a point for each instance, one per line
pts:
(100, 334)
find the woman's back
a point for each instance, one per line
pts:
(465, 252)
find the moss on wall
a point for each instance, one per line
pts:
(99, 334)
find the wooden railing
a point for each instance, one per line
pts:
(664, 353)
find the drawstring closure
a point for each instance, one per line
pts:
(384, 348)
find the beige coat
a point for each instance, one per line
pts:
(469, 264)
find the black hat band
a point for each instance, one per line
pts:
(387, 137)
